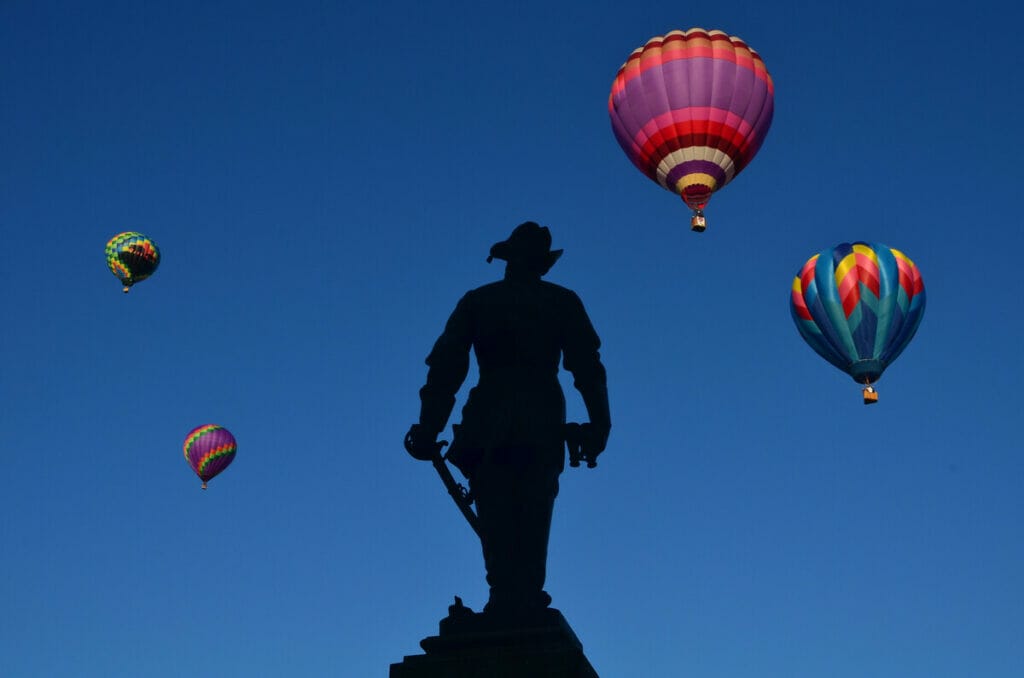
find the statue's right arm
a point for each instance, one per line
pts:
(448, 364)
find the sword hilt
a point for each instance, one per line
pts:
(440, 445)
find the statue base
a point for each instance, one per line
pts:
(484, 645)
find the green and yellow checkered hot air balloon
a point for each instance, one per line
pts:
(132, 257)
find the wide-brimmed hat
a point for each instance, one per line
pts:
(529, 243)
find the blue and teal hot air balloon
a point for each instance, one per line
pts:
(858, 306)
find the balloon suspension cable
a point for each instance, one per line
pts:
(870, 394)
(697, 222)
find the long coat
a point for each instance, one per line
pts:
(518, 330)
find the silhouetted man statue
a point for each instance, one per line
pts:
(511, 443)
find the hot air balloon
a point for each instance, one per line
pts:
(209, 449)
(691, 109)
(132, 257)
(858, 306)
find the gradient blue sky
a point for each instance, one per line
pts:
(324, 181)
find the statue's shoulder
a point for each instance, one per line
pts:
(489, 287)
(555, 288)
(563, 294)
(483, 293)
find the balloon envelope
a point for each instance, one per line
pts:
(209, 449)
(690, 109)
(858, 305)
(132, 257)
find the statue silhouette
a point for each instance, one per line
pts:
(511, 442)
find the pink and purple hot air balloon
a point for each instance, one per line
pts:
(691, 109)
(209, 449)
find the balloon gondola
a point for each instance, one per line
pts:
(691, 109)
(858, 306)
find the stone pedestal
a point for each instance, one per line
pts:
(473, 645)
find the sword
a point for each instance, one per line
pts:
(460, 495)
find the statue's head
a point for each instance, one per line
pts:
(529, 246)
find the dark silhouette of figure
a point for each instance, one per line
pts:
(511, 442)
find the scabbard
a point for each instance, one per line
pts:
(458, 493)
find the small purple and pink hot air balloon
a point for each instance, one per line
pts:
(209, 449)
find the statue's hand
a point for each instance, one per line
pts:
(420, 443)
(594, 440)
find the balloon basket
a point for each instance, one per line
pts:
(204, 485)
(126, 288)
(697, 222)
(870, 395)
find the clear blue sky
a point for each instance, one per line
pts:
(324, 181)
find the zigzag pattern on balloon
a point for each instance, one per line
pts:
(215, 453)
(909, 277)
(196, 434)
(803, 281)
(857, 269)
